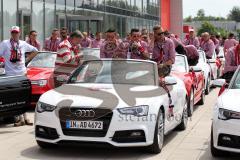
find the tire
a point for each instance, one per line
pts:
(207, 91)
(183, 125)
(214, 151)
(9, 120)
(190, 103)
(202, 100)
(158, 139)
(45, 145)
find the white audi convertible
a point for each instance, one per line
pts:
(114, 102)
(225, 134)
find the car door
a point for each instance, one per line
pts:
(176, 108)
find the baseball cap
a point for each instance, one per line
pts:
(191, 30)
(15, 29)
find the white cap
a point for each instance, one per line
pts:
(191, 30)
(15, 29)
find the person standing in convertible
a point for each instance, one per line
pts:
(68, 57)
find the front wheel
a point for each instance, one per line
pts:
(207, 91)
(183, 125)
(190, 103)
(202, 100)
(158, 139)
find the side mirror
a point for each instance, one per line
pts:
(2, 71)
(62, 78)
(196, 69)
(211, 61)
(219, 83)
(170, 81)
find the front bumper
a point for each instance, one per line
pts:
(118, 133)
(226, 134)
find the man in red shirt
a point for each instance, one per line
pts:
(32, 40)
(51, 43)
(68, 56)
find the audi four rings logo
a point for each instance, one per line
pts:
(84, 113)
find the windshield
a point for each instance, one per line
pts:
(201, 56)
(43, 60)
(236, 83)
(91, 53)
(115, 72)
(180, 64)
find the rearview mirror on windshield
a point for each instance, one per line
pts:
(2, 71)
(170, 81)
(196, 69)
(219, 82)
(211, 61)
(62, 78)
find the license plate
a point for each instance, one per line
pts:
(96, 125)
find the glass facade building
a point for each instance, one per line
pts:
(85, 15)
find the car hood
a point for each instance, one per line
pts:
(102, 95)
(229, 100)
(39, 73)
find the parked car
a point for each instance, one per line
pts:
(209, 69)
(40, 71)
(193, 79)
(15, 94)
(226, 118)
(111, 102)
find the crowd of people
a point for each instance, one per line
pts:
(158, 45)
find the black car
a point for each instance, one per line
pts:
(15, 95)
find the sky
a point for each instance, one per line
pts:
(211, 7)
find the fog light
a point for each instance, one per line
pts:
(136, 134)
(41, 129)
(226, 138)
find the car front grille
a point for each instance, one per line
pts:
(67, 113)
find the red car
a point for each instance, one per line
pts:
(193, 79)
(40, 71)
(1, 62)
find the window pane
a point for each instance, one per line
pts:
(49, 18)
(60, 6)
(37, 19)
(9, 16)
(24, 5)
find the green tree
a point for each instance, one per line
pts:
(201, 14)
(207, 27)
(235, 14)
(188, 19)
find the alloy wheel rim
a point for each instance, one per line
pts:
(191, 102)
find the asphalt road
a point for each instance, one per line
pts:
(191, 144)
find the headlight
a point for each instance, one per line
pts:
(41, 82)
(224, 114)
(43, 107)
(136, 111)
